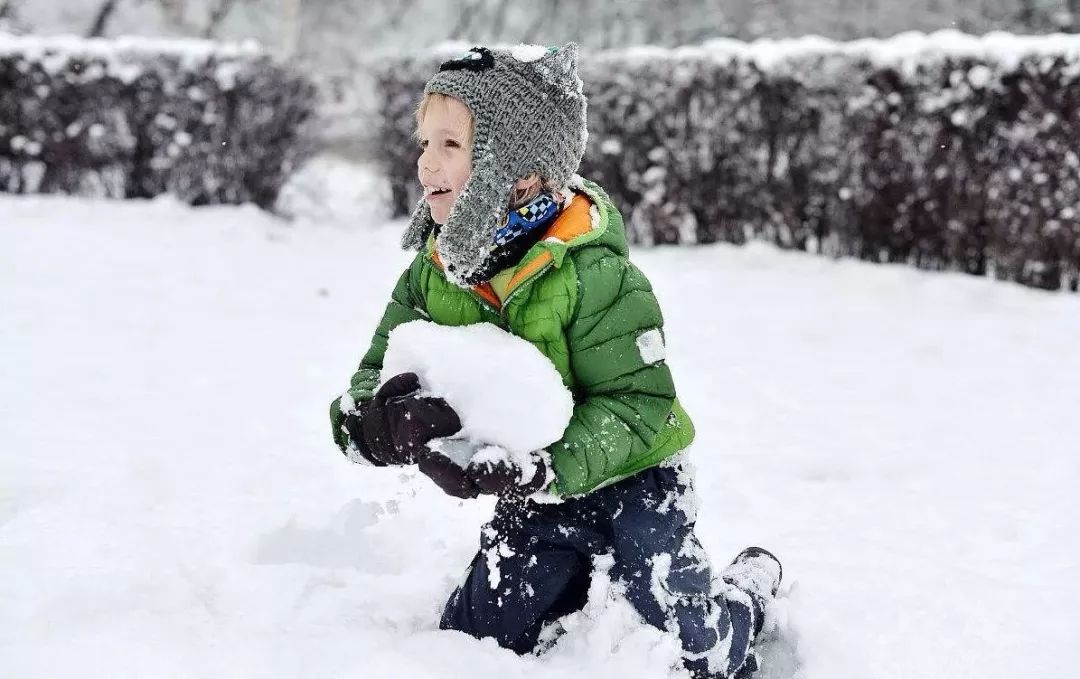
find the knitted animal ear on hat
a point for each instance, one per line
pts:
(529, 118)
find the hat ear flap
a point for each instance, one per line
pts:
(466, 240)
(420, 225)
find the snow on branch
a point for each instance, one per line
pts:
(134, 118)
(944, 151)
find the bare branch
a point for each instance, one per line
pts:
(465, 19)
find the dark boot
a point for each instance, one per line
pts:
(757, 572)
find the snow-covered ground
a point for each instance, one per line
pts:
(171, 504)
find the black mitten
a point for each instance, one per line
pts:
(447, 475)
(354, 425)
(396, 424)
(505, 477)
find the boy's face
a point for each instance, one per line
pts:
(446, 159)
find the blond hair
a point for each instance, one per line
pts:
(466, 130)
(520, 195)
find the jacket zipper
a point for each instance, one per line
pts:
(501, 312)
(530, 279)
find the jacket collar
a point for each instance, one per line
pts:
(582, 221)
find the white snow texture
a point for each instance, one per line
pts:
(528, 53)
(171, 504)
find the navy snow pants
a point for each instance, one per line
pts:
(535, 562)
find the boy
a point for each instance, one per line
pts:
(508, 234)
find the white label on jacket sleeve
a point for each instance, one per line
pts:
(650, 345)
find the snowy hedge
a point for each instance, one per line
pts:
(207, 123)
(944, 151)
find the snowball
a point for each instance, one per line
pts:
(528, 53)
(505, 391)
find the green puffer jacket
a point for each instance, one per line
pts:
(578, 299)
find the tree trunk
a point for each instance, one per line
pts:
(466, 14)
(545, 12)
(217, 15)
(1026, 15)
(398, 14)
(101, 21)
(499, 22)
(291, 33)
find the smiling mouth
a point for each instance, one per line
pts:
(435, 193)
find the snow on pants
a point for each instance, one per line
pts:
(535, 562)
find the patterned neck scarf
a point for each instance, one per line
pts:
(523, 228)
(539, 212)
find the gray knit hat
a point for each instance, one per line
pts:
(529, 114)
